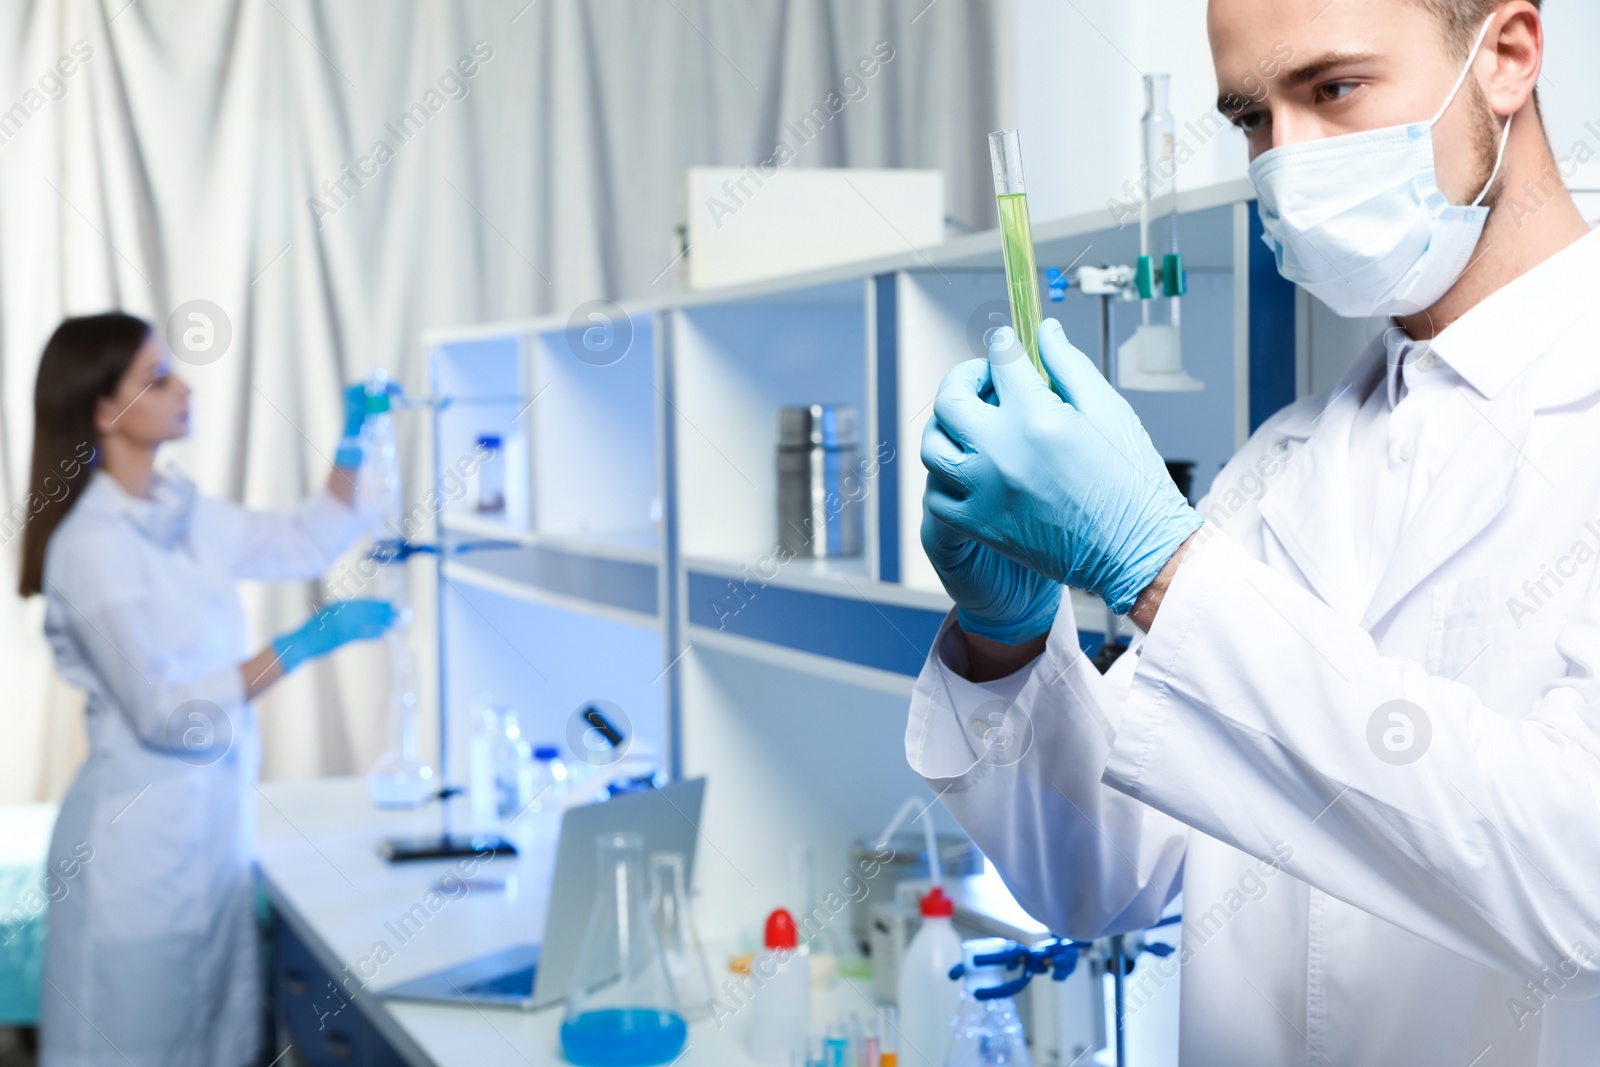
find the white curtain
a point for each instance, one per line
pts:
(337, 175)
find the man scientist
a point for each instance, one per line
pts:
(1376, 677)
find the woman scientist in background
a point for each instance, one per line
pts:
(151, 956)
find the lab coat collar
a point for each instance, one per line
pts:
(1302, 504)
(163, 516)
(1513, 349)
(1508, 349)
(1505, 333)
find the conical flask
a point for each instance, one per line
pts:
(400, 779)
(621, 1007)
(680, 942)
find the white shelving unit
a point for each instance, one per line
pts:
(643, 513)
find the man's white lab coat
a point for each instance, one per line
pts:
(1379, 799)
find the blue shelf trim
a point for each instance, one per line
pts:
(1271, 330)
(888, 421)
(610, 582)
(889, 637)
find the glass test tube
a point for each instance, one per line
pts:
(1016, 241)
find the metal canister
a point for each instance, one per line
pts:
(958, 858)
(821, 483)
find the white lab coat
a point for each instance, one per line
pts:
(151, 955)
(1339, 908)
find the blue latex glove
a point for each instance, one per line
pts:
(995, 597)
(1069, 485)
(335, 625)
(350, 452)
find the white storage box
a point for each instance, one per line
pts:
(749, 223)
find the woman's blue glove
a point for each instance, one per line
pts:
(335, 625)
(995, 597)
(355, 417)
(1069, 485)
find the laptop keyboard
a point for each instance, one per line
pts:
(512, 984)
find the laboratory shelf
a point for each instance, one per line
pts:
(642, 545)
(596, 584)
(858, 629)
(736, 365)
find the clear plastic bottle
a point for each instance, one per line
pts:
(987, 1032)
(780, 1011)
(550, 777)
(513, 765)
(400, 779)
(927, 997)
(480, 769)
(622, 1010)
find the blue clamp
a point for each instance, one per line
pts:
(1055, 956)
(1057, 281)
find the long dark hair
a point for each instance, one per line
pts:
(82, 363)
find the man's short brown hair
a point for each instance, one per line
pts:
(1462, 19)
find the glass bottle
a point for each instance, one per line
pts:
(986, 1031)
(400, 779)
(513, 766)
(680, 942)
(550, 774)
(622, 1010)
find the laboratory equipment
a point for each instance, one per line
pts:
(400, 779)
(987, 1030)
(823, 944)
(539, 974)
(927, 998)
(480, 768)
(384, 493)
(902, 856)
(821, 480)
(680, 941)
(1016, 241)
(550, 777)
(889, 1050)
(491, 474)
(1152, 359)
(621, 1010)
(513, 765)
(780, 1010)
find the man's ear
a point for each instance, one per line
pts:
(1516, 47)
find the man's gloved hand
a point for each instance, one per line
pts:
(995, 597)
(334, 625)
(1069, 485)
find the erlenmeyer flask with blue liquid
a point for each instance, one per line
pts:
(622, 1010)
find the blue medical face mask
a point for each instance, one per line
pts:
(1359, 221)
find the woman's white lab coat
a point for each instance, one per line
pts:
(1357, 889)
(151, 954)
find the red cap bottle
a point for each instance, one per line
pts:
(780, 930)
(936, 905)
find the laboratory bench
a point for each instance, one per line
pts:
(344, 926)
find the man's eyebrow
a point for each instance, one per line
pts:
(1293, 77)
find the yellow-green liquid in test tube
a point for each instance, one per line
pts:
(1016, 242)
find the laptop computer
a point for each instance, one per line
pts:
(533, 976)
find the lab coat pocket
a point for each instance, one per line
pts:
(1486, 634)
(152, 873)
